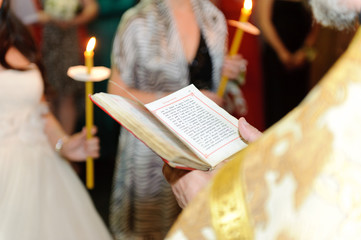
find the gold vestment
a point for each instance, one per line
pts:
(300, 180)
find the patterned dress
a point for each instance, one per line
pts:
(148, 53)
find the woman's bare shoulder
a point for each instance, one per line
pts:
(16, 59)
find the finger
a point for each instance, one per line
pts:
(247, 131)
(232, 64)
(93, 152)
(236, 66)
(237, 59)
(231, 72)
(83, 131)
(93, 143)
(235, 56)
(94, 130)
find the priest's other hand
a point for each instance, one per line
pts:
(186, 184)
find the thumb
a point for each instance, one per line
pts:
(247, 131)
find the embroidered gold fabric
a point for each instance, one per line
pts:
(301, 179)
(228, 206)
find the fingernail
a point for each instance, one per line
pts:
(245, 121)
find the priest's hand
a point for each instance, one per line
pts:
(248, 133)
(77, 147)
(186, 184)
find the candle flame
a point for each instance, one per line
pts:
(247, 5)
(91, 44)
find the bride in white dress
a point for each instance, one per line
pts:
(41, 197)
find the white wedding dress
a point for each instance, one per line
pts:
(41, 197)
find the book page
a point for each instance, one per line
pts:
(139, 121)
(210, 131)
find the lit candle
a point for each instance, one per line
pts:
(237, 39)
(88, 55)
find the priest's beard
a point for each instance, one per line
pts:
(333, 13)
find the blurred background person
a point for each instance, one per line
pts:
(288, 36)
(61, 50)
(160, 47)
(250, 50)
(41, 196)
(26, 11)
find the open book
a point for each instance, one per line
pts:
(186, 129)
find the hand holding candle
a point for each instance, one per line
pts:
(88, 55)
(237, 39)
(89, 74)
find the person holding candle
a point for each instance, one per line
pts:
(288, 35)
(160, 47)
(61, 50)
(41, 197)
